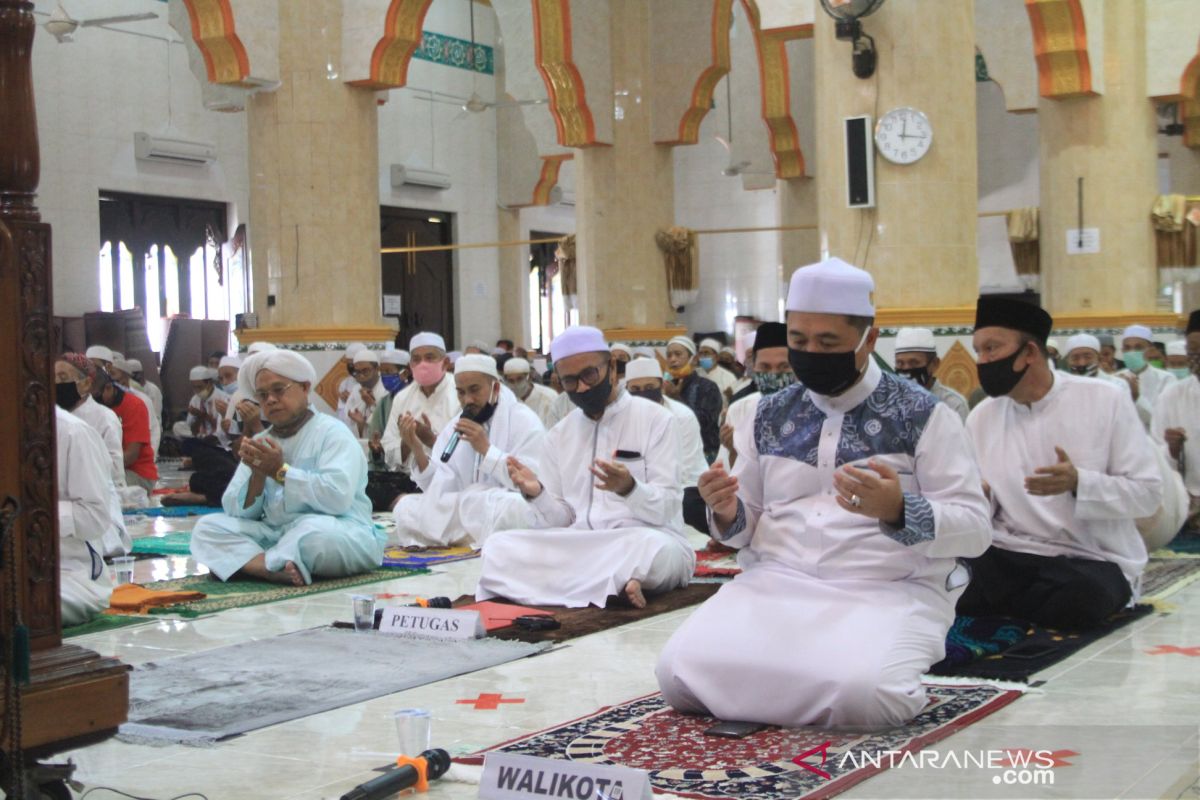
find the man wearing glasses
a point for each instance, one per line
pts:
(370, 391)
(297, 506)
(607, 497)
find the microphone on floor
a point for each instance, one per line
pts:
(411, 772)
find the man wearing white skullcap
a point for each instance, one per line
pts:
(151, 390)
(430, 401)
(1082, 357)
(540, 399)
(203, 417)
(467, 493)
(917, 359)
(122, 372)
(101, 356)
(687, 385)
(606, 497)
(623, 353)
(1177, 419)
(708, 365)
(393, 376)
(644, 379)
(853, 495)
(1147, 380)
(1177, 360)
(361, 404)
(348, 385)
(297, 507)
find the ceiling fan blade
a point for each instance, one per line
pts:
(116, 20)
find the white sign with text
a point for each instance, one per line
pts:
(507, 776)
(1083, 241)
(431, 623)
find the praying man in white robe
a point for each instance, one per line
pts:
(852, 498)
(606, 497)
(297, 506)
(467, 493)
(84, 514)
(539, 398)
(369, 391)
(1177, 421)
(431, 400)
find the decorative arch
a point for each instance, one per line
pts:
(394, 50)
(783, 136)
(1060, 47)
(702, 94)
(213, 30)
(573, 120)
(549, 178)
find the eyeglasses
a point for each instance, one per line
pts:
(277, 391)
(365, 372)
(431, 357)
(589, 376)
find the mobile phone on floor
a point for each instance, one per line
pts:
(735, 730)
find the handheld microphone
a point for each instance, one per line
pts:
(452, 442)
(430, 765)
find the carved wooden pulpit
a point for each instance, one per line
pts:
(71, 695)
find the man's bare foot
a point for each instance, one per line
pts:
(257, 568)
(290, 574)
(633, 593)
(184, 499)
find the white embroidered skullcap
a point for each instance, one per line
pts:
(516, 366)
(366, 356)
(200, 374)
(1177, 348)
(476, 362)
(1132, 332)
(100, 352)
(1082, 341)
(643, 368)
(284, 363)
(134, 364)
(1052, 344)
(831, 287)
(123, 365)
(260, 347)
(397, 357)
(711, 344)
(230, 361)
(624, 348)
(577, 339)
(426, 339)
(685, 342)
(915, 340)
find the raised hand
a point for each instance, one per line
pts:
(874, 492)
(612, 476)
(1055, 479)
(719, 491)
(523, 478)
(473, 434)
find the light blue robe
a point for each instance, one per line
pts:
(319, 518)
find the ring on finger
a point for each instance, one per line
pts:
(856, 501)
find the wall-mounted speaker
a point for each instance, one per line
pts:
(860, 162)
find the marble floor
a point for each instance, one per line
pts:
(1114, 700)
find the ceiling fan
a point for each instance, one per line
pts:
(62, 25)
(731, 169)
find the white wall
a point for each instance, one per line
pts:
(92, 95)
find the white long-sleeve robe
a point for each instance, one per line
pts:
(741, 413)
(441, 406)
(117, 541)
(1119, 480)
(155, 394)
(541, 400)
(589, 542)
(835, 615)
(356, 403)
(319, 518)
(560, 407)
(1152, 382)
(1179, 407)
(155, 419)
(469, 497)
(691, 447)
(183, 429)
(84, 515)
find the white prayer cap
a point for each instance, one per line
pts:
(516, 366)
(426, 339)
(915, 340)
(711, 344)
(644, 352)
(730, 350)
(123, 365)
(624, 348)
(99, 351)
(1082, 341)
(831, 287)
(685, 342)
(454, 356)
(292, 366)
(230, 361)
(397, 357)
(260, 347)
(541, 365)
(577, 339)
(352, 350)
(366, 356)
(1177, 348)
(497, 351)
(117, 356)
(201, 374)
(643, 368)
(1052, 344)
(476, 362)
(134, 365)
(1132, 332)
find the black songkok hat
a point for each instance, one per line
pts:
(1194, 322)
(770, 334)
(1008, 312)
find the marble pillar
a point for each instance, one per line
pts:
(514, 279)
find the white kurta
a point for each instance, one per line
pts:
(1152, 381)
(725, 380)
(1119, 479)
(692, 463)
(155, 394)
(592, 542)
(740, 414)
(155, 419)
(319, 518)
(349, 385)
(356, 403)
(470, 496)
(117, 541)
(441, 407)
(184, 429)
(84, 514)
(1179, 407)
(559, 409)
(836, 615)
(540, 400)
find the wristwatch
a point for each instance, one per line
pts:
(282, 474)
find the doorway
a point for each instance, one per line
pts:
(423, 282)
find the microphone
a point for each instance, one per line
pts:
(430, 765)
(452, 442)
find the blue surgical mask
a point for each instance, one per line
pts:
(706, 363)
(1135, 360)
(393, 383)
(230, 388)
(1180, 372)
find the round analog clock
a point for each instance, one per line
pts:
(903, 135)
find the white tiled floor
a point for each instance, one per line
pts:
(1114, 682)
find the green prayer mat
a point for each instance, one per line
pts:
(103, 624)
(178, 543)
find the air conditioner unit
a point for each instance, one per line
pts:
(424, 178)
(567, 198)
(171, 150)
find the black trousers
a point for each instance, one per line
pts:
(695, 512)
(214, 467)
(1054, 591)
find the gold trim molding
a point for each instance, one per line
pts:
(313, 335)
(964, 316)
(643, 334)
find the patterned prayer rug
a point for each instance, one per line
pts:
(172, 511)
(177, 543)
(396, 556)
(716, 561)
(1167, 572)
(646, 734)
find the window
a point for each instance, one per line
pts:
(549, 315)
(168, 257)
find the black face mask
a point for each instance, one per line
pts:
(998, 378)
(826, 373)
(1087, 370)
(620, 368)
(66, 395)
(593, 400)
(118, 394)
(919, 375)
(653, 395)
(484, 414)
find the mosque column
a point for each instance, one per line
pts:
(514, 279)
(314, 191)
(625, 192)
(1109, 141)
(919, 242)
